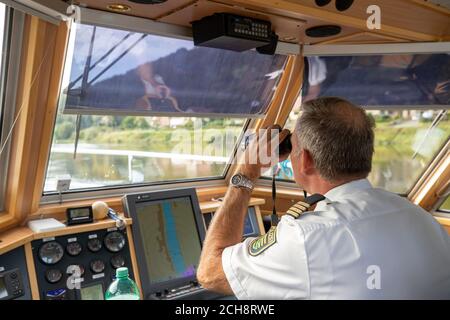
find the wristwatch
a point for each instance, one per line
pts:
(241, 181)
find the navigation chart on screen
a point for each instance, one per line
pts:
(170, 238)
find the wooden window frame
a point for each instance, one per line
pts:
(433, 184)
(42, 56)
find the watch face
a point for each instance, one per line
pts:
(236, 179)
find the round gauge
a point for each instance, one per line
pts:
(79, 266)
(74, 248)
(94, 245)
(97, 266)
(53, 275)
(114, 241)
(81, 269)
(51, 252)
(117, 261)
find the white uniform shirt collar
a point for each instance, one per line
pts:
(341, 192)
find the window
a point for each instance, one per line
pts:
(408, 97)
(5, 113)
(2, 33)
(406, 141)
(149, 109)
(120, 150)
(445, 207)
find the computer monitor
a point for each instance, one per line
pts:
(168, 233)
(251, 228)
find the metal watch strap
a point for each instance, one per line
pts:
(244, 183)
(247, 183)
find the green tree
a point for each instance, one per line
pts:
(128, 123)
(141, 123)
(64, 131)
(86, 121)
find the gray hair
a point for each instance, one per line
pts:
(339, 137)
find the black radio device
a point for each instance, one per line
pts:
(11, 285)
(233, 32)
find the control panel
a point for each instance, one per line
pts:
(11, 284)
(80, 266)
(248, 27)
(14, 283)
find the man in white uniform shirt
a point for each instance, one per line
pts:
(359, 243)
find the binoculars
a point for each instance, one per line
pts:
(285, 146)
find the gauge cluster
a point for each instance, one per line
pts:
(67, 266)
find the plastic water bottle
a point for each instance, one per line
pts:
(123, 288)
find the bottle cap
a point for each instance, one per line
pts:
(122, 272)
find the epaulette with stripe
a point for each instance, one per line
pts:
(303, 206)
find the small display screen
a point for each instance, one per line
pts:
(3, 291)
(242, 26)
(170, 238)
(79, 213)
(248, 225)
(94, 292)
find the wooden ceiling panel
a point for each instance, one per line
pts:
(152, 11)
(414, 20)
(363, 38)
(418, 19)
(427, 19)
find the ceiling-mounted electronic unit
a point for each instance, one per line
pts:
(233, 32)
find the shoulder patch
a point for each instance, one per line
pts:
(262, 243)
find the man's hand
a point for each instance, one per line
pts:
(262, 152)
(227, 226)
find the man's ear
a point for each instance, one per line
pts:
(307, 162)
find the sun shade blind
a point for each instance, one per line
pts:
(120, 72)
(381, 81)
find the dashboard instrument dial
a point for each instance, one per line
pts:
(81, 269)
(74, 248)
(117, 261)
(53, 275)
(114, 241)
(51, 252)
(80, 266)
(95, 245)
(97, 266)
